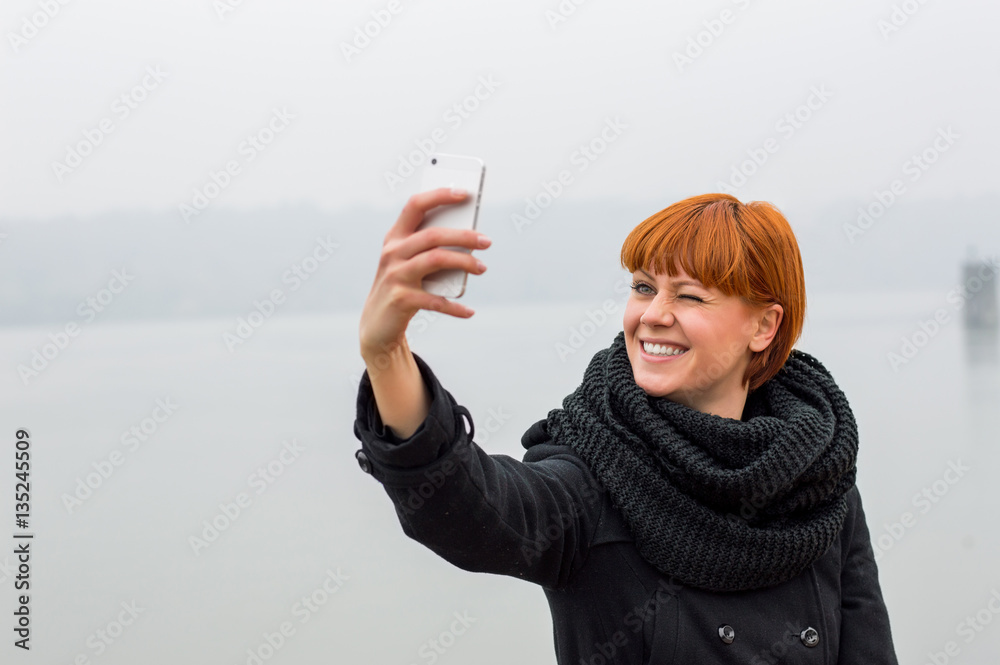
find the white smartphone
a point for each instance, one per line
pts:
(468, 173)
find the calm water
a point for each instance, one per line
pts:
(317, 518)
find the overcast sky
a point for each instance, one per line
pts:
(183, 85)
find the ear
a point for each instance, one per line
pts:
(767, 321)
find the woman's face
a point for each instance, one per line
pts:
(717, 334)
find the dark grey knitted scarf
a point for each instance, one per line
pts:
(718, 503)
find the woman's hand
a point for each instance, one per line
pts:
(401, 395)
(407, 256)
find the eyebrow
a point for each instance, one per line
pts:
(681, 282)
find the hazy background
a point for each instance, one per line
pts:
(883, 85)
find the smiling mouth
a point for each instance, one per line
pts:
(662, 350)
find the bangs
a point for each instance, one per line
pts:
(703, 234)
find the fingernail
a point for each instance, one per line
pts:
(480, 265)
(458, 192)
(484, 241)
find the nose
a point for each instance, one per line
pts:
(658, 313)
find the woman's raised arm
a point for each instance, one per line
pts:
(488, 513)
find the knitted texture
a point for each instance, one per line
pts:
(718, 503)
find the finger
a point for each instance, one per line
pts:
(437, 236)
(445, 306)
(411, 300)
(418, 204)
(425, 263)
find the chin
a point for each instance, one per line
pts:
(655, 388)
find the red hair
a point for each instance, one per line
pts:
(745, 250)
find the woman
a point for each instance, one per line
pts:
(694, 500)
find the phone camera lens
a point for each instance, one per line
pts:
(434, 161)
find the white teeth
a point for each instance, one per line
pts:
(661, 350)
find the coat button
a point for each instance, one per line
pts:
(363, 462)
(809, 637)
(727, 634)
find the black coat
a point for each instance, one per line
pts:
(545, 520)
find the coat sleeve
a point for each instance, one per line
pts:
(865, 636)
(483, 513)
